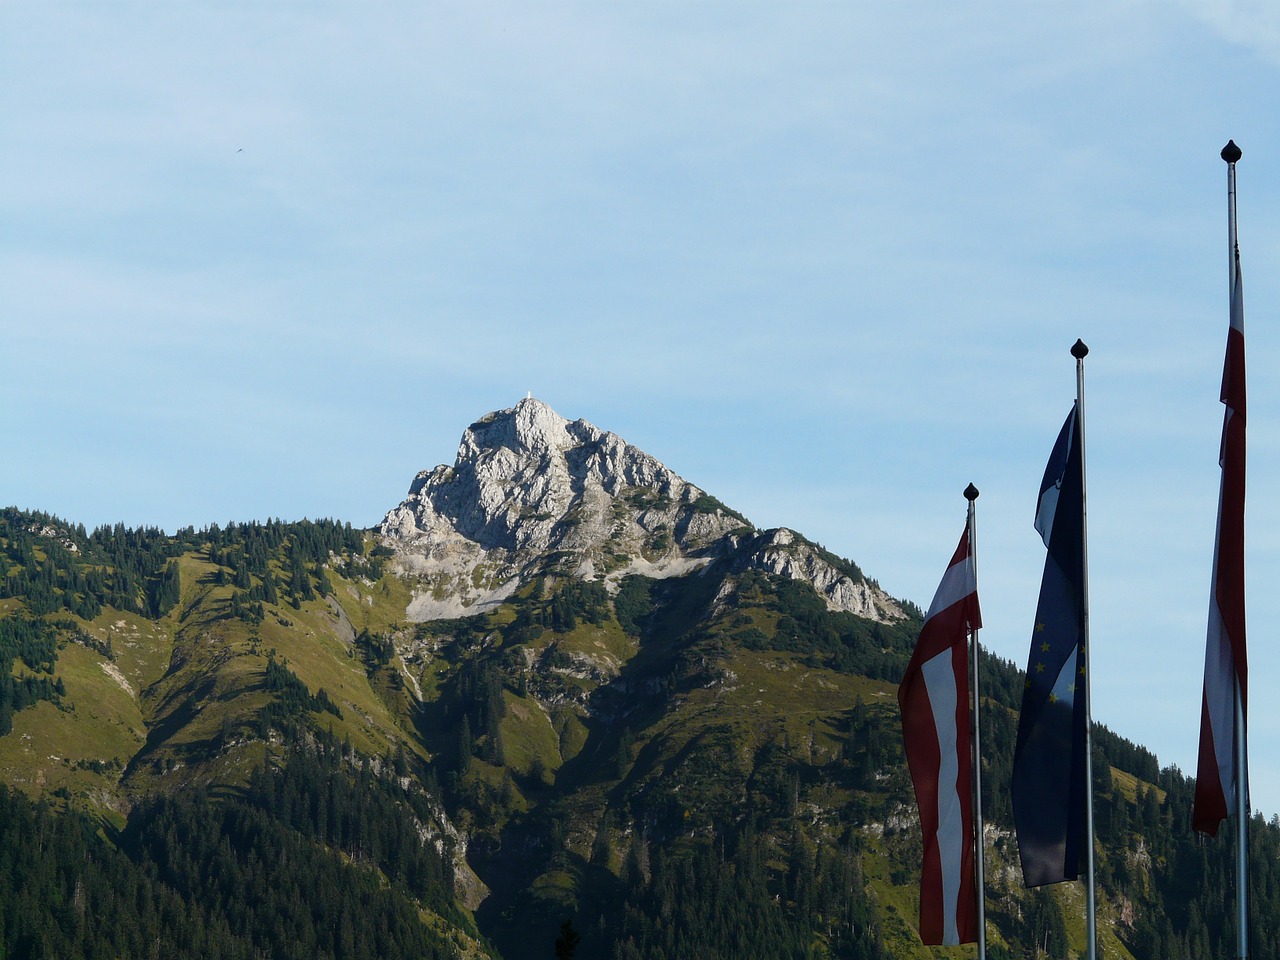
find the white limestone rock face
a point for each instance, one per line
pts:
(532, 493)
(785, 553)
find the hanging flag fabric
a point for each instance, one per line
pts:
(1049, 787)
(934, 700)
(1225, 662)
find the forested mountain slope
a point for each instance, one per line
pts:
(607, 701)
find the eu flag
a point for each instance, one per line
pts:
(1049, 782)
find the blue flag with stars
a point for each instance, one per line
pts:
(1048, 784)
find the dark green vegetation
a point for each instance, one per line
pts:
(35, 644)
(235, 746)
(236, 878)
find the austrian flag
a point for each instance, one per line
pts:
(1219, 772)
(934, 699)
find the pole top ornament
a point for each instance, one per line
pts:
(1231, 153)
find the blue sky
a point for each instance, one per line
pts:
(824, 260)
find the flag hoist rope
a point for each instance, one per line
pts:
(1080, 351)
(971, 494)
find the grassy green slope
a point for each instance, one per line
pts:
(178, 702)
(681, 733)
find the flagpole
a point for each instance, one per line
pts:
(1232, 153)
(1242, 833)
(1080, 351)
(971, 494)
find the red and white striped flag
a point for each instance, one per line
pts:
(1218, 774)
(934, 699)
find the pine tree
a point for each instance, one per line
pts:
(567, 942)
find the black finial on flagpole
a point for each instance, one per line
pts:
(1079, 350)
(971, 493)
(1231, 153)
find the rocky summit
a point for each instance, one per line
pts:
(532, 493)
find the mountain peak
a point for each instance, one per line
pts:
(530, 426)
(532, 492)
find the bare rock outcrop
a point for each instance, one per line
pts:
(531, 493)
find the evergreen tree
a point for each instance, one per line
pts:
(567, 942)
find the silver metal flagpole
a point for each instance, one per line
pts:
(1080, 351)
(1231, 153)
(971, 494)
